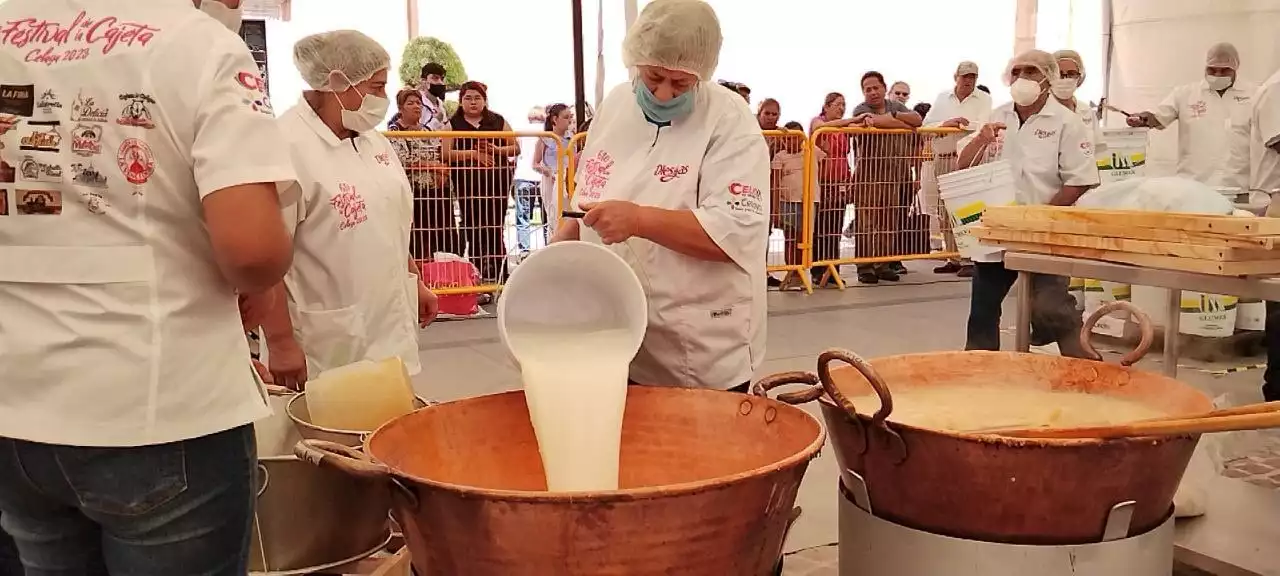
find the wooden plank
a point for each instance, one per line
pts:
(1178, 249)
(1135, 232)
(1246, 226)
(1149, 260)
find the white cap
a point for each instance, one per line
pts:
(1042, 60)
(965, 68)
(679, 35)
(1223, 55)
(1073, 56)
(335, 61)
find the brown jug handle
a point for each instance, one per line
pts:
(341, 458)
(1145, 325)
(811, 392)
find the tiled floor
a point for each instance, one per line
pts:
(924, 313)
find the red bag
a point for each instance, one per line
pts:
(453, 274)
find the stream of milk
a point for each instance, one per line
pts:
(575, 383)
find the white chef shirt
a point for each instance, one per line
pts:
(1050, 150)
(1206, 129)
(1264, 126)
(976, 108)
(1089, 117)
(706, 319)
(116, 326)
(351, 295)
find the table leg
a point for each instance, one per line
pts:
(1171, 329)
(1022, 332)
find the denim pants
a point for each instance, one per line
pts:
(528, 196)
(178, 509)
(1053, 309)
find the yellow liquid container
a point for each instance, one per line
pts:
(360, 396)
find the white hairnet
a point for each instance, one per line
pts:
(1223, 55)
(1073, 56)
(356, 56)
(1043, 61)
(679, 35)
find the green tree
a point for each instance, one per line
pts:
(424, 49)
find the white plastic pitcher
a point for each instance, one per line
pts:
(573, 315)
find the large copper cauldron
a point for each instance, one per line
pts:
(708, 482)
(994, 488)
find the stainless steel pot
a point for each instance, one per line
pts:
(301, 416)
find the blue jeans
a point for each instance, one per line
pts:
(527, 197)
(184, 508)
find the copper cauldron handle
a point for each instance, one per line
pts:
(811, 392)
(1144, 324)
(877, 383)
(341, 458)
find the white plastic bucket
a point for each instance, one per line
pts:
(1126, 154)
(1211, 315)
(967, 193)
(1251, 315)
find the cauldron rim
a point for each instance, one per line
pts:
(808, 453)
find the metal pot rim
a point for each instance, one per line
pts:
(802, 456)
(419, 403)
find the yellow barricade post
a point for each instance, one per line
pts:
(791, 206)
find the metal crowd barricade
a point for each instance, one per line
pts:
(469, 207)
(576, 145)
(791, 207)
(876, 173)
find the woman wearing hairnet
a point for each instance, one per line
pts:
(353, 292)
(675, 177)
(1071, 77)
(1051, 156)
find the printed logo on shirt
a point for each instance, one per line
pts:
(136, 163)
(33, 170)
(746, 198)
(39, 202)
(18, 100)
(48, 102)
(7, 122)
(1240, 99)
(86, 109)
(54, 42)
(136, 111)
(44, 137)
(596, 172)
(94, 202)
(1198, 108)
(257, 99)
(4, 202)
(383, 158)
(86, 140)
(7, 174)
(1086, 148)
(350, 206)
(1045, 134)
(667, 173)
(723, 313)
(85, 174)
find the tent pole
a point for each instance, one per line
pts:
(579, 73)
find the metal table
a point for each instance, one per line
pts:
(1026, 264)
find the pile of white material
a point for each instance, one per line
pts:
(1164, 194)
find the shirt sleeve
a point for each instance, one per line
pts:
(1076, 163)
(1267, 114)
(1167, 111)
(861, 109)
(935, 116)
(734, 192)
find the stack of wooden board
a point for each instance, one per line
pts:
(1207, 244)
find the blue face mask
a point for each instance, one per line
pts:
(662, 112)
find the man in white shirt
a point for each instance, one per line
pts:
(1210, 112)
(1264, 141)
(960, 107)
(151, 196)
(433, 89)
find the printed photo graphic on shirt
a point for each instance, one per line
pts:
(34, 170)
(48, 102)
(135, 111)
(38, 202)
(7, 122)
(18, 99)
(136, 163)
(1086, 148)
(7, 174)
(94, 202)
(350, 206)
(43, 137)
(4, 201)
(745, 198)
(85, 174)
(596, 173)
(383, 158)
(667, 173)
(86, 140)
(84, 36)
(256, 97)
(86, 108)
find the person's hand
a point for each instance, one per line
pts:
(566, 231)
(860, 120)
(958, 122)
(428, 305)
(288, 365)
(990, 132)
(254, 308)
(263, 373)
(1140, 120)
(614, 220)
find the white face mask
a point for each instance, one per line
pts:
(1063, 88)
(1218, 82)
(373, 109)
(1025, 92)
(229, 17)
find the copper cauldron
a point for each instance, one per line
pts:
(708, 481)
(994, 488)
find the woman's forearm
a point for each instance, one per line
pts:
(970, 152)
(679, 230)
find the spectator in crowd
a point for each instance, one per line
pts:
(745, 92)
(788, 188)
(1211, 112)
(962, 106)
(1071, 67)
(767, 115)
(1053, 163)
(922, 108)
(529, 184)
(432, 87)
(883, 193)
(1264, 159)
(901, 92)
(545, 162)
(983, 88)
(833, 179)
(482, 178)
(434, 226)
